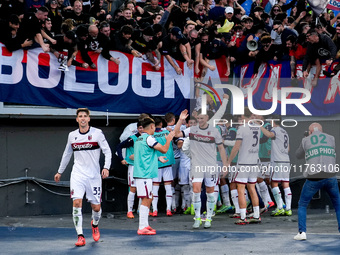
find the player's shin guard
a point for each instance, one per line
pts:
(96, 217)
(288, 198)
(168, 194)
(234, 198)
(225, 194)
(78, 220)
(197, 204)
(277, 196)
(210, 204)
(155, 197)
(130, 200)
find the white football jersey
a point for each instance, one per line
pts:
(203, 146)
(86, 148)
(177, 152)
(280, 145)
(249, 150)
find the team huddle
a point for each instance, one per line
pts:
(201, 152)
(231, 160)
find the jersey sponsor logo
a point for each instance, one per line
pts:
(202, 138)
(85, 146)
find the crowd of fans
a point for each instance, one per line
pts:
(191, 31)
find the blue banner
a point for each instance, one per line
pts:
(32, 77)
(275, 76)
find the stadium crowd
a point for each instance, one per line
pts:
(194, 32)
(191, 31)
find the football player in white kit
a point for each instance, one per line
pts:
(86, 143)
(165, 172)
(281, 166)
(247, 146)
(264, 175)
(170, 120)
(203, 141)
(184, 173)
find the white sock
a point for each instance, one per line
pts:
(130, 200)
(246, 195)
(186, 195)
(168, 194)
(234, 198)
(264, 192)
(288, 198)
(173, 197)
(225, 194)
(277, 196)
(96, 217)
(78, 220)
(256, 211)
(183, 198)
(143, 216)
(197, 204)
(243, 213)
(155, 197)
(210, 204)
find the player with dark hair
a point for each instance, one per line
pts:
(129, 161)
(164, 170)
(146, 168)
(85, 143)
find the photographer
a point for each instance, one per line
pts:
(318, 149)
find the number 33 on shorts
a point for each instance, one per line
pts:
(96, 191)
